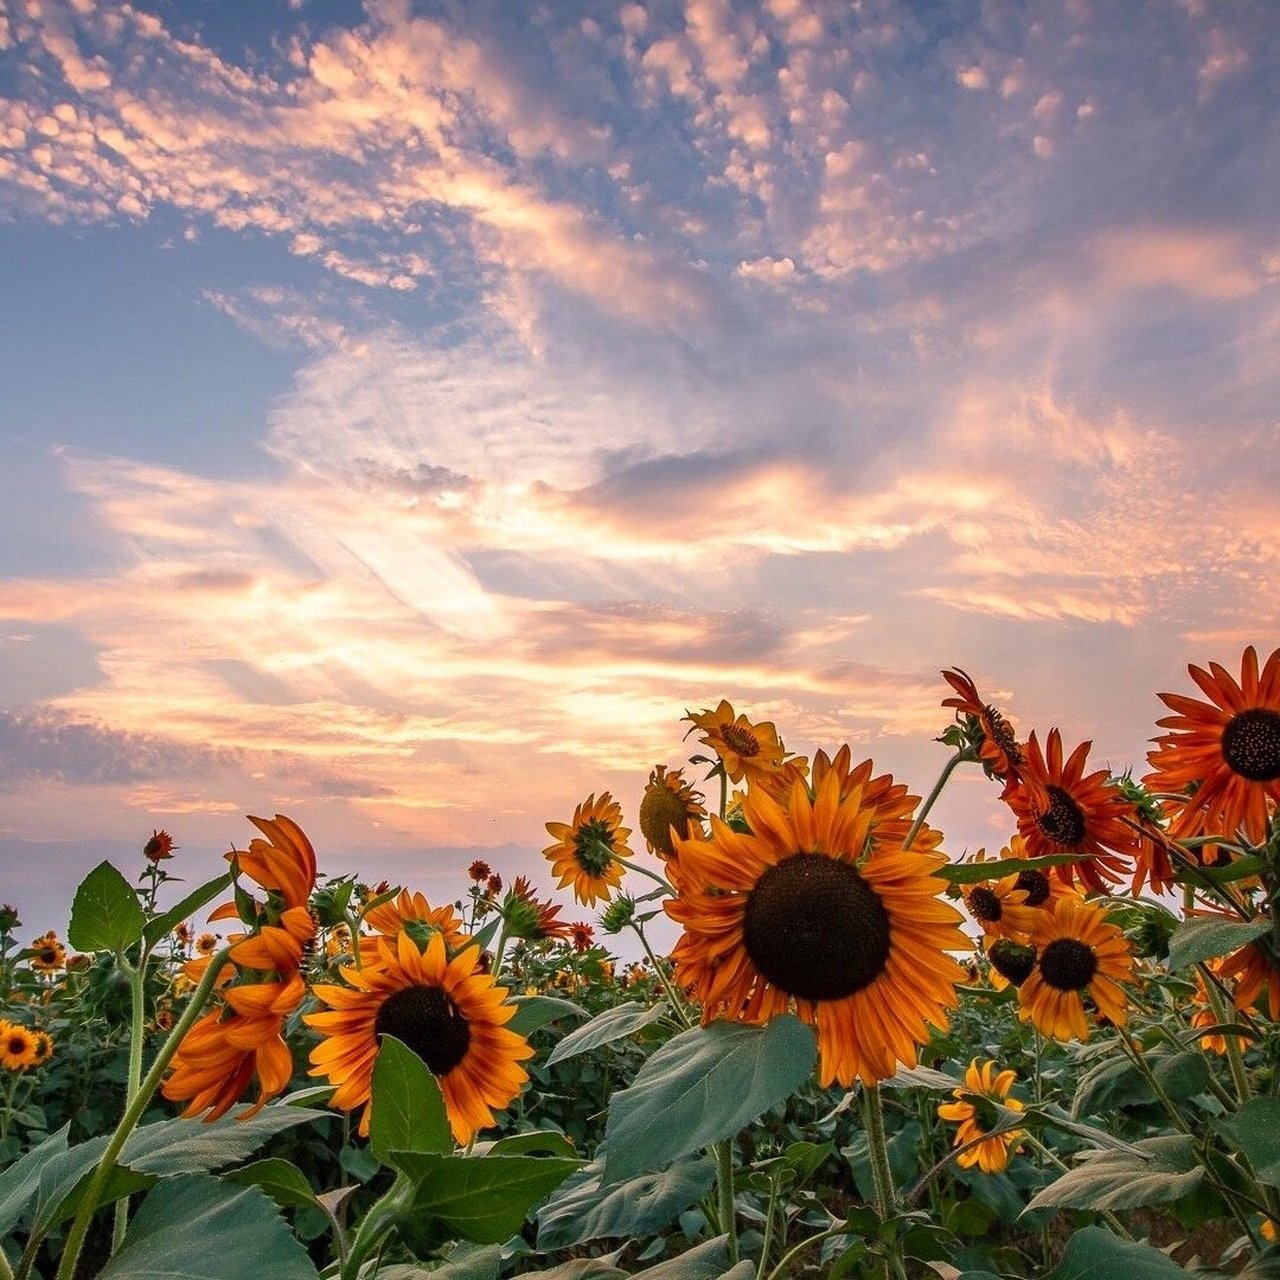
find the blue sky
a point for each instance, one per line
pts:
(408, 411)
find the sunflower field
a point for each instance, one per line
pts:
(862, 1057)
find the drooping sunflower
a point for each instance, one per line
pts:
(48, 955)
(991, 1155)
(19, 1048)
(159, 846)
(587, 849)
(746, 750)
(1061, 809)
(1225, 752)
(1079, 953)
(451, 1016)
(668, 802)
(998, 749)
(527, 916)
(44, 1047)
(795, 914)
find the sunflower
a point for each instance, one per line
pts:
(998, 748)
(451, 1016)
(587, 849)
(48, 955)
(1011, 963)
(19, 1048)
(582, 935)
(746, 750)
(1060, 809)
(795, 913)
(1078, 954)
(890, 803)
(44, 1047)
(1253, 967)
(206, 944)
(1011, 906)
(413, 912)
(669, 803)
(1205, 1015)
(991, 1155)
(526, 916)
(1225, 752)
(159, 847)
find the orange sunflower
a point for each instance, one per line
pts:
(796, 914)
(451, 1016)
(991, 1155)
(1078, 954)
(1061, 809)
(587, 849)
(412, 911)
(1225, 753)
(19, 1048)
(669, 803)
(1254, 968)
(746, 750)
(998, 748)
(1011, 906)
(48, 955)
(891, 805)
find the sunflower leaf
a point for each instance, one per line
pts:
(976, 872)
(1093, 1252)
(613, 1024)
(282, 1180)
(106, 914)
(1256, 1127)
(407, 1109)
(533, 1012)
(1165, 1170)
(702, 1086)
(1202, 939)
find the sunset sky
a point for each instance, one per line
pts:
(408, 411)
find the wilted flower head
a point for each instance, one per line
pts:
(159, 847)
(9, 919)
(479, 870)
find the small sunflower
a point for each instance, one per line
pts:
(48, 955)
(582, 935)
(1225, 752)
(1061, 809)
(1011, 906)
(795, 913)
(587, 849)
(746, 750)
(1011, 963)
(479, 870)
(206, 944)
(998, 748)
(159, 847)
(1078, 954)
(991, 1155)
(44, 1047)
(527, 916)
(19, 1047)
(669, 803)
(451, 1016)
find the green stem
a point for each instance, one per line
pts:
(947, 770)
(796, 1250)
(1135, 1056)
(377, 1223)
(9, 1095)
(770, 1214)
(873, 1119)
(499, 949)
(1234, 1058)
(137, 1010)
(678, 1007)
(645, 871)
(728, 1211)
(133, 1113)
(6, 1271)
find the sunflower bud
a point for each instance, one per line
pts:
(618, 914)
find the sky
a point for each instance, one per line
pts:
(409, 411)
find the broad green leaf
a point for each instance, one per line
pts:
(171, 919)
(704, 1085)
(1118, 1180)
(613, 1024)
(1240, 869)
(1203, 938)
(106, 914)
(200, 1228)
(583, 1209)
(533, 1012)
(466, 1262)
(922, 1078)
(1095, 1254)
(1111, 1083)
(21, 1180)
(1058, 1119)
(1256, 1127)
(1181, 1075)
(483, 1200)
(282, 1180)
(976, 872)
(585, 1269)
(541, 1142)
(408, 1112)
(706, 1261)
(193, 1146)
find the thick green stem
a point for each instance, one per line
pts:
(1171, 1107)
(947, 770)
(376, 1225)
(133, 1113)
(137, 1018)
(498, 951)
(1234, 1058)
(6, 1271)
(728, 1210)
(873, 1120)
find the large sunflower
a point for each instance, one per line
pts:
(1078, 954)
(796, 914)
(1061, 809)
(998, 748)
(1224, 752)
(991, 1155)
(746, 750)
(451, 1016)
(587, 849)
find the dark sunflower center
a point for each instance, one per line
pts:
(593, 847)
(429, 1023)
(815, 928)
(1035, 884)
(985, 904)
(1012, 960)
(1001, 732)
(660, 810)
(1063, 820)
(47, 955)
(741, 741)
(1068, 964)
(1251, 744)
(16, 1045)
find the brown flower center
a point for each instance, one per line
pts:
(1035, 884)
(661, 809)
(985, 904)
(593, 847)
(1012, 960)
(740, 740)
(1068, 964)
(429, 1023)
(1063, 821)
(1251, 744)
(815, 928)
(1000, 732)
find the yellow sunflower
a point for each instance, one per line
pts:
(48, 955)
(451, 1016)
(1254, 968)
(991, 1155)
(412, 911)
(746, 750)
(1078, 954)
(1225, 752)
(796, 915)
(1011, 906)
(669, 803)
(19, 1047)
(44, 1047)
(587, 849)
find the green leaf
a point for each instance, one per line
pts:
(160, 926)
(106, 914)
(199, 1228)
(584, 1209)
(1095, 1254)
(1202, 939)
(282, 1180)
(1111, 1083)
(408, 1112)
(533, 1012)
(542, 1141)
(613, 1024)
(976, 872)
(1119, 1180)
(21, 1180)
(1240, 869)
(922, 1078)
(1181, 1075)
(483, 1200)
(706, 1261)
(585, 1269)
(465, 1262)
(1256, 1128)
(704, 1085)
(193, 1146)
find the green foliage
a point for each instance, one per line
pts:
(1158, 1171)
(408, 1109)
(1094, 1254)
(1201, 939)
(106, 914)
